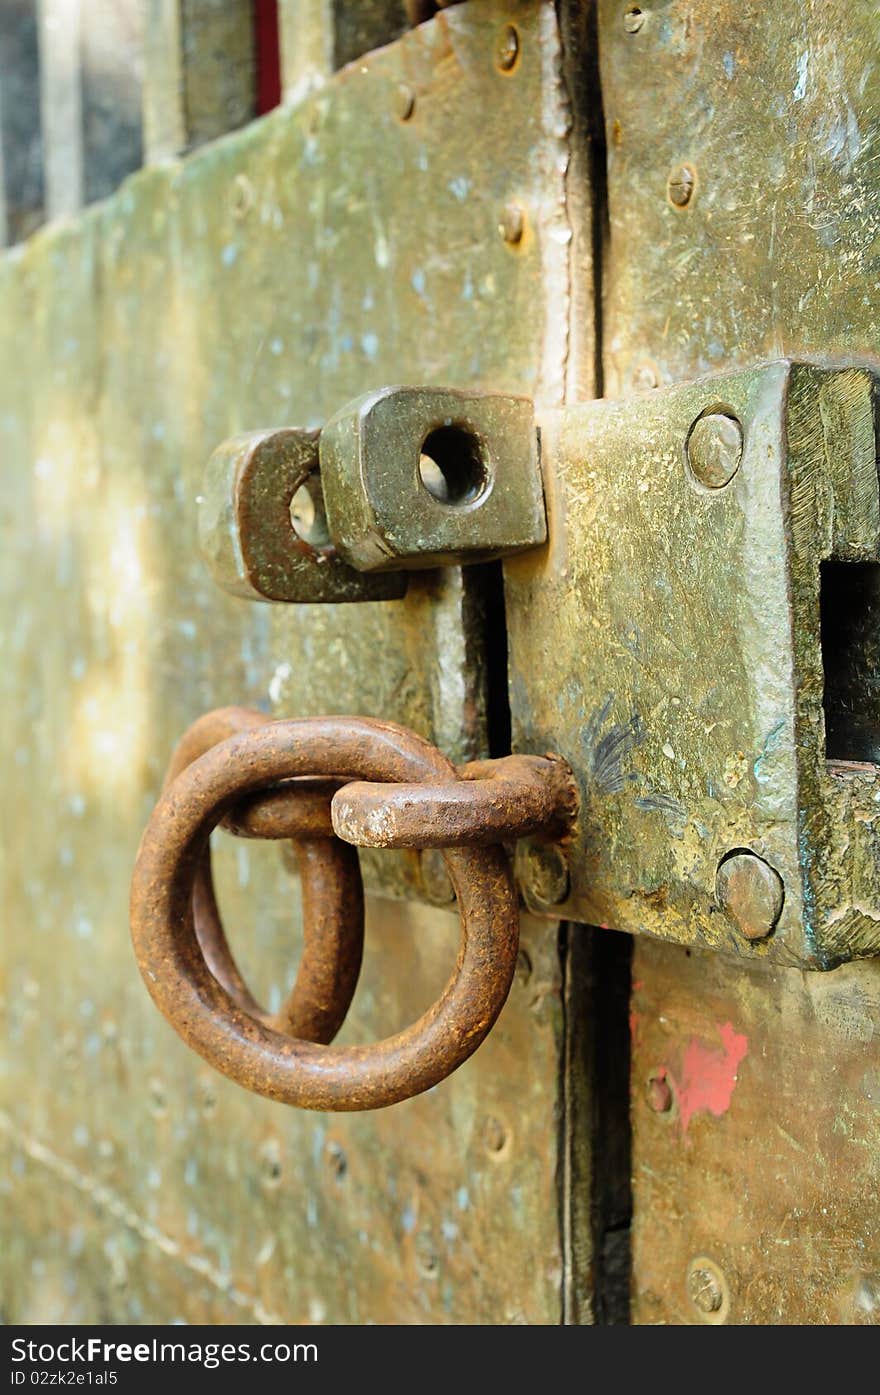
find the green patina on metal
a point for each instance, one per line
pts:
(667, 644)
(270, 277)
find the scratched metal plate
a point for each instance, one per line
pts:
(323, 251)
(768, 1162)
(777, 109)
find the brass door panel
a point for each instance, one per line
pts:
(327, 249)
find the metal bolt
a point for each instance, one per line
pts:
(512, 224)
(404, 102)
(633, 19)
(714, 449)
(435, 878)
(507, 48)
(751, 892)
(705, 1290)
(542, 872)
(680, 186)
(659, 1093)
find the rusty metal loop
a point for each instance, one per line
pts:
(332, 891)
(491, 802)
(243, 1045)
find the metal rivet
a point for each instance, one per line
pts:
(751, 892)
(494, 1135)
(426, 1255)
(644, 377)
(507, 48)
(659, 1092)
(435, 878)
(512, 224)
(542, 872)
(680, 185)
(707, 1289)
(337, 1161)
(714, 449)
(404, 102)
(633, 19)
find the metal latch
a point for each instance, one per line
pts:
(692, 622)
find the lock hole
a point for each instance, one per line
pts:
(850, 634)
(307, 516)
(453, 466)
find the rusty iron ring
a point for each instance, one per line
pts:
(332, 891)
(492, 801)
(206, 1015)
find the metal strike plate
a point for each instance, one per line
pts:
(426, 477)
(701, 642)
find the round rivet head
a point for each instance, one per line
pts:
(707, 1290)
(659, 1093)
(680, 185)
(714, 449)
(542, 873)
(512, 224)
(633, 19)
(507, 48)
(404, 102)
(751, 892)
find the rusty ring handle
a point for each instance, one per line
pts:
(332, 891)
(243, 1046)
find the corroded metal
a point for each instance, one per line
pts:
(668, 644)
(215, 1019)
(490, 802)
(138, 337)
(332, 892)
(249, 537)
(482, 499)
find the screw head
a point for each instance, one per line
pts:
(659, 1093)
(680, 185)
(507, 48)
(714, 449)
(512, 224)
(404, 102)
(751, 892)
(435, 878)
(542, 872)
(633, 19)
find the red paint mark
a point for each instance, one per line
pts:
(708, 1076)
(638, 985)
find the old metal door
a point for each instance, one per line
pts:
(444, 210)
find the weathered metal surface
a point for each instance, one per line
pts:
(249, 536)
(776, 110)
(146, 334)
(767, 1160)
(493, 801)
(668, 645)
(266, 1054)
(417, 477)
(332, 894)
(763, 1180)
